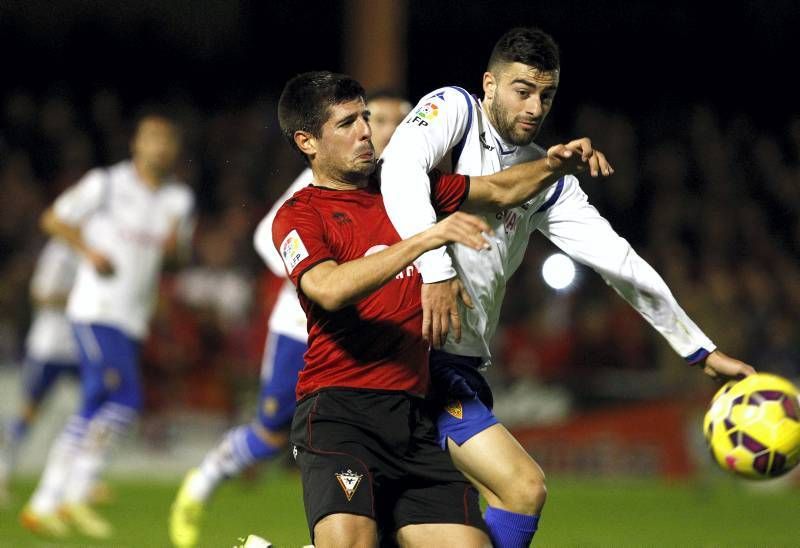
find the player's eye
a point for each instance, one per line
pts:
(524, 93)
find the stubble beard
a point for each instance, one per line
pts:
(504, 124)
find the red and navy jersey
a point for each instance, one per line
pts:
(375, 343)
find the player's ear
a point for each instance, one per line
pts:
(305, 142)
(489, 85)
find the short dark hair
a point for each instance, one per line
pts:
(527, 45)
(305, 101)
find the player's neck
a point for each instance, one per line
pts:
(148, 176)
(327, 180)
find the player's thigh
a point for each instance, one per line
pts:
(109, 367)
(442, 535)
(283, 360)
(39, 376)
(345, 530)
(425, 506)
(497, 463)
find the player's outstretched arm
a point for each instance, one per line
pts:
(718, 365)
(518, 184)
(333, 285)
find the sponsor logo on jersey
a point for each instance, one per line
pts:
(349, 482)
(341, 218)
(293, 250)
(294, 451)
(454, 408)
(425, 114)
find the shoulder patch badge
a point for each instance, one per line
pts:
(349, 482)
(425, 114)
(293, 250)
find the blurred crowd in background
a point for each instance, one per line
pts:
(711, 204)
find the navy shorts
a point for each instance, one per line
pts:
(38, 377)
(283, 360)
(109, 367)
(462, 395)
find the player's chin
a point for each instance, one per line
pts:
(364, 165)
(524, 137)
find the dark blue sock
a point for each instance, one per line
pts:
(508, 529)
(259, 449)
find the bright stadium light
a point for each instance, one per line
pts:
(558, 271)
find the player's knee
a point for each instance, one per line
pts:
(345, 531)
(527, 495)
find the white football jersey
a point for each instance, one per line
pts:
(50, 336)
(287, 316)
(128, 221)
(449, 120)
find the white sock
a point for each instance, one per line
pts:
(227, 459)
(104, 429)
(50, 491)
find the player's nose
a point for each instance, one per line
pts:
(365, 130)
(533, 106)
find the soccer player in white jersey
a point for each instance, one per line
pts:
(50, 350)
(481, 137)
(283, 359)
(121, 220)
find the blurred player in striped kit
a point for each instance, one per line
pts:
(283, 359)
(480, 137)
(50, 350)
(121, 220)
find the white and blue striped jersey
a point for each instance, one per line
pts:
(50, 337)
(130, 222)
(287, 317)
(451, 122)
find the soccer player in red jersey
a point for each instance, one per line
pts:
(362, 435)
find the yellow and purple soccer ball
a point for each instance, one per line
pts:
(753, 426)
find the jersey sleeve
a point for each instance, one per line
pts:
(89, 194)
(449, 191)
(298, 237)
(54, 272)
(262, 239)
(576, 227)
(431, 130)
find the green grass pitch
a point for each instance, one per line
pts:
(719, 512)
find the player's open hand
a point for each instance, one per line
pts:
(722, 367)
(461, 228)
(578, 156)
(440, 310)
